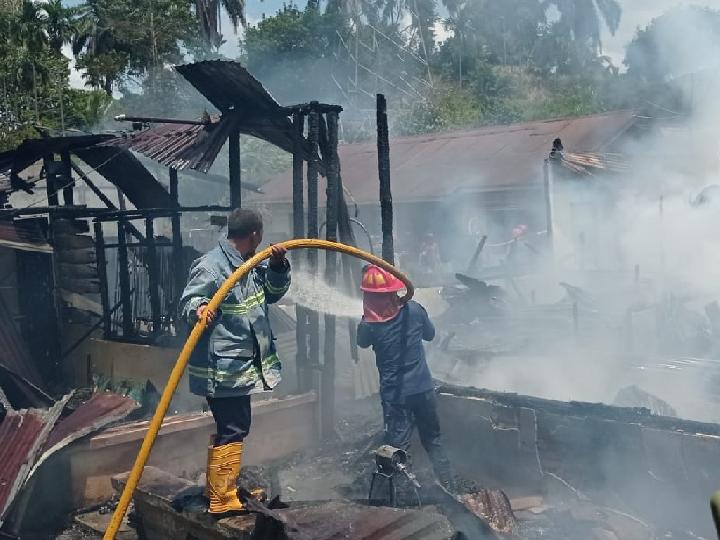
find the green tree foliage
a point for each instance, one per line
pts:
(34, 74)
(120, 39)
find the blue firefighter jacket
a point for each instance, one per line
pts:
(237, 354)
(402, 372)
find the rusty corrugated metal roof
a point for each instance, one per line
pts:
(431, 167)
(25, 235)
(99, 411)
(244, 103)
(180, 146)
(22, 434)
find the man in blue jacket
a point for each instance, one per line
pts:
(237, 356)
(396, 332)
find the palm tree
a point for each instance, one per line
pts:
(58, 24)
(208, 15)
(28, 28)
(582, 20)
(94, 45)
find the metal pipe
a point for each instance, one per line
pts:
(156, 120)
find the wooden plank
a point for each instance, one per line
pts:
(73, 241)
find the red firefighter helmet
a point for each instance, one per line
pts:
(377, 280)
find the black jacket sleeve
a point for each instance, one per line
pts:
(364, 335)
(428, 332)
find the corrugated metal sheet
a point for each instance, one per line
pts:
(96, 413)
(431, 167)
(233, 90)
(180, 146)
(25, 235)
(22, 434)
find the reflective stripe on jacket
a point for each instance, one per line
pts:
(237, 356)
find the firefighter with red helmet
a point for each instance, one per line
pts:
(396, 333)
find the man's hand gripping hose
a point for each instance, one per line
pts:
(192, 342)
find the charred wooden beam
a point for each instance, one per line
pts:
(69, 183)
(153, 275)
(177, 256)
(102, 274)
(51, 181)
(234, 167)
(313, 106)
(312, 231)
(327, 391)
(124, 278)
(386, 205)
(304, 380)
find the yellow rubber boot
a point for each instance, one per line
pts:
(211, 444)
(222, 475)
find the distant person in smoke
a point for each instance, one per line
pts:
(396, 333)
(237, 356)
(429, 258)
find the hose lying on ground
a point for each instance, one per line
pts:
(192, 342)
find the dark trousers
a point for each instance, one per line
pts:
(419, 410)
(232, 417)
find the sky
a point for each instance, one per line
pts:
(636, 14)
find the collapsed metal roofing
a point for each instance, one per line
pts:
(245, 106)
(431, 167)
(22, 434)
(31, 436)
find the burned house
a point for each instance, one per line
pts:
(460, 186)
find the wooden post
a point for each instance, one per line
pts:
(68, 184)
(548, 206)
(234, 168)
(58, 306)
(124, 278)
(51, 181)
(177, 256)
(327, 393)
(386, 205)
(153, 277)
(304, 380)
(312, 230)
(102, 275)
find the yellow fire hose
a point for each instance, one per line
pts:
(192, 342)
